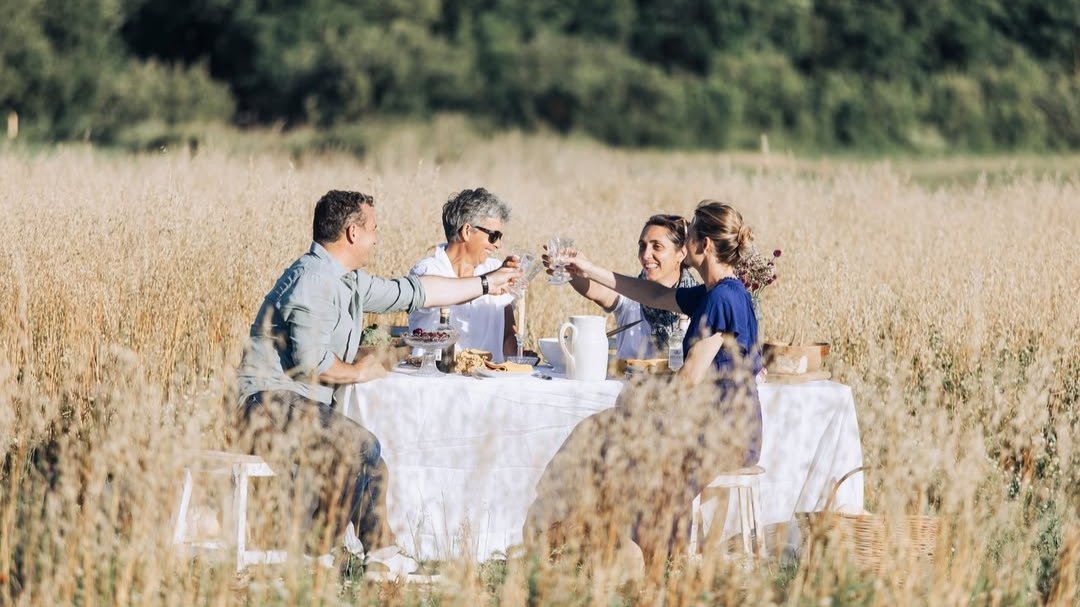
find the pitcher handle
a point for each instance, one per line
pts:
(567, 356)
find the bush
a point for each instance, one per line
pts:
(779, 93)
(571, 84)
(1060, 102)
(1015, 120)
(151, 97)
(714, 108)
(867, 114)
(957, 109)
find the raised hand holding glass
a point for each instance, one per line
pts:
(557, 249)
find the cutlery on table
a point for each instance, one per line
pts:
(617, 330)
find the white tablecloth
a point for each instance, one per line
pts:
(810, 438)
(465, 454)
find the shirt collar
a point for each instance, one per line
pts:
(443, 259)
(335, 266)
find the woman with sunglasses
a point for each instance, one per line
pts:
(662, 255)
(473, 221)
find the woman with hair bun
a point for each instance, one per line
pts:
(722, 337)
(638, 467)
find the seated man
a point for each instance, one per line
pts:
(473, 221)
(304, 344)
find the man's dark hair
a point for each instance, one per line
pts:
(336, 210)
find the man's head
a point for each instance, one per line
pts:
(345, 221)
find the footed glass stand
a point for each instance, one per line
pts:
(430, 343)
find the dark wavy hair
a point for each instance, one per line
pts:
(676, 227)
(336, 210)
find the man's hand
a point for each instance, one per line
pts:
(499, 281)
(368, 368)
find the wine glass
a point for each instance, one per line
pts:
(558, 248)
(530, 266)
(430, 342)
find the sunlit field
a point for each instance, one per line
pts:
(952, 307)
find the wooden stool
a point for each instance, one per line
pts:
(747, 485)
(239, 468)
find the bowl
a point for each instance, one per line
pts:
(643, 366)
(431, 340)
(552, 352)
(794, 359)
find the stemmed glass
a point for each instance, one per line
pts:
(557, 249)
(530, 266)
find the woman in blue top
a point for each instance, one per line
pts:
(721, 341)
(638, 467)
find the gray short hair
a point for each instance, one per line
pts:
(471, 207)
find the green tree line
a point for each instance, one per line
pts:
(825, 74)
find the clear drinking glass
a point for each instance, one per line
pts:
(557, 249)
(530, 266)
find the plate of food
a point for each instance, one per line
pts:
(503, 369)
(470, 360)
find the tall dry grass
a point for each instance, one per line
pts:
(129, 282)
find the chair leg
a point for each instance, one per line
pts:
(240, 494)
(697, 542)
(180, 529)
(759, 530)
(744, 518)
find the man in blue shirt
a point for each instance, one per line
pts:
(304, 344)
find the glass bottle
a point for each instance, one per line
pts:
(444, 359)
(675, 344)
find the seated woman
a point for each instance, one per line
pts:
(633, 471)
(473, 221)
(662, 254)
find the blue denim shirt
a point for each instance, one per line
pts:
(314, 313)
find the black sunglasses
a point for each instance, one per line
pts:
(493, 235)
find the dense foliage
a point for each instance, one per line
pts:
(873, 74)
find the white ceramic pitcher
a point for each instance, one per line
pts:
(585, 347)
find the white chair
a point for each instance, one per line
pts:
(746, 483)
(239, 468)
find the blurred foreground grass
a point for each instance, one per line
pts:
(948, 288)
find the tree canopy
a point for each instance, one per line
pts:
(873, 74)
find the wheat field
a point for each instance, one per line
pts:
(952, 307)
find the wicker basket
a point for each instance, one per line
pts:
(880, 545)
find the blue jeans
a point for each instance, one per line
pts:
(338, 459)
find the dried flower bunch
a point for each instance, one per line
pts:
(757, 271)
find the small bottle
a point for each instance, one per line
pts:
(675, 348)
(444, 359)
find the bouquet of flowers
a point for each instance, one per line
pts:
(757, 271)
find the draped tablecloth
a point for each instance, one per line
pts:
(465, 454)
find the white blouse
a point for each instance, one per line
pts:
(635, 342)
(480, 321)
